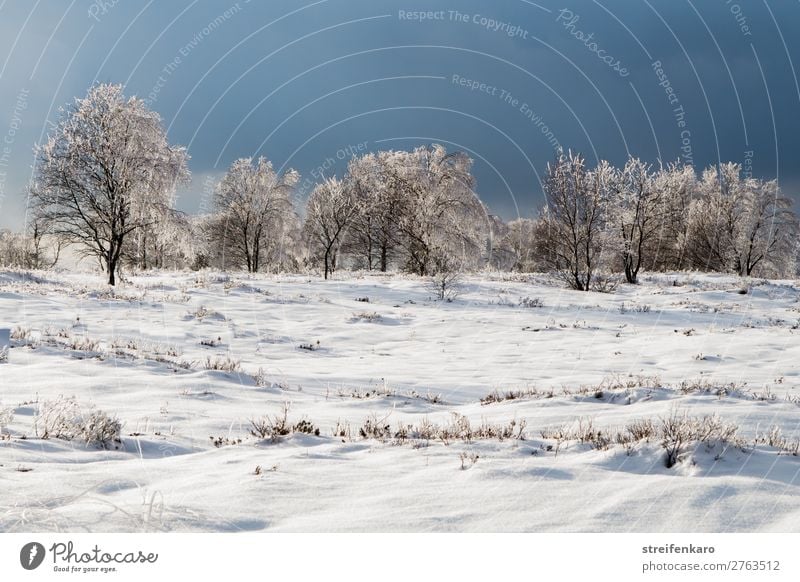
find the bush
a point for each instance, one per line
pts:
(277, 426)
(368, 316)
(445, 285)
(222, 363)
(63, 418)
(531, 302)
(605, 283)
(373, 428)
(677, 431)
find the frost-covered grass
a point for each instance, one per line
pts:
(366, 403)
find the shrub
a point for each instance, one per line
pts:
(306, 427)
(641, 429)
(221, 441)
(374, 428)
(63, 418)
(261, 378)
(368, 316)
(459, 428)
(497, 396)
(342, 430)
(445, 283)
(468, 459)
(605, 283)
(271, 427)
(21, 334)
(530, 303)
(677, 431)
(83, 344)
(222, 363)
(277, 426)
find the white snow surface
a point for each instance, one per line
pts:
(401, 358)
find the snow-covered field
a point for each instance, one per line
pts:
(354, 355)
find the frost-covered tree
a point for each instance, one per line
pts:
(574, 218)
(42, 249)
(739, 224)
(12, 249)
(417, 207)
(373, 236)
(636, 215)
(519, 244)
(329, 212)
(167, 243)
(158, 244)
(253, 210)
(36, 247)
(496, 255)
(677, 187)
(201, 251)
(440, 220)
(107, 160)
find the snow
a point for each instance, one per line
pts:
(140, 352)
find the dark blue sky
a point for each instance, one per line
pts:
(306, 84)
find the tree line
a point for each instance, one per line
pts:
(105, 183)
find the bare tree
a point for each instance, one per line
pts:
(106, 160)
(252, 205)
(330, 210)
(574, 218)
(42, 249)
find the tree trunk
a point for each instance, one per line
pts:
(111, 265)
(384, 257)
(630, 270)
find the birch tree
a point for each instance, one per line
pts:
(739, 224)
(253, 209)
(107, 159)
(329, 212)
(573, 220)
(637, 215)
